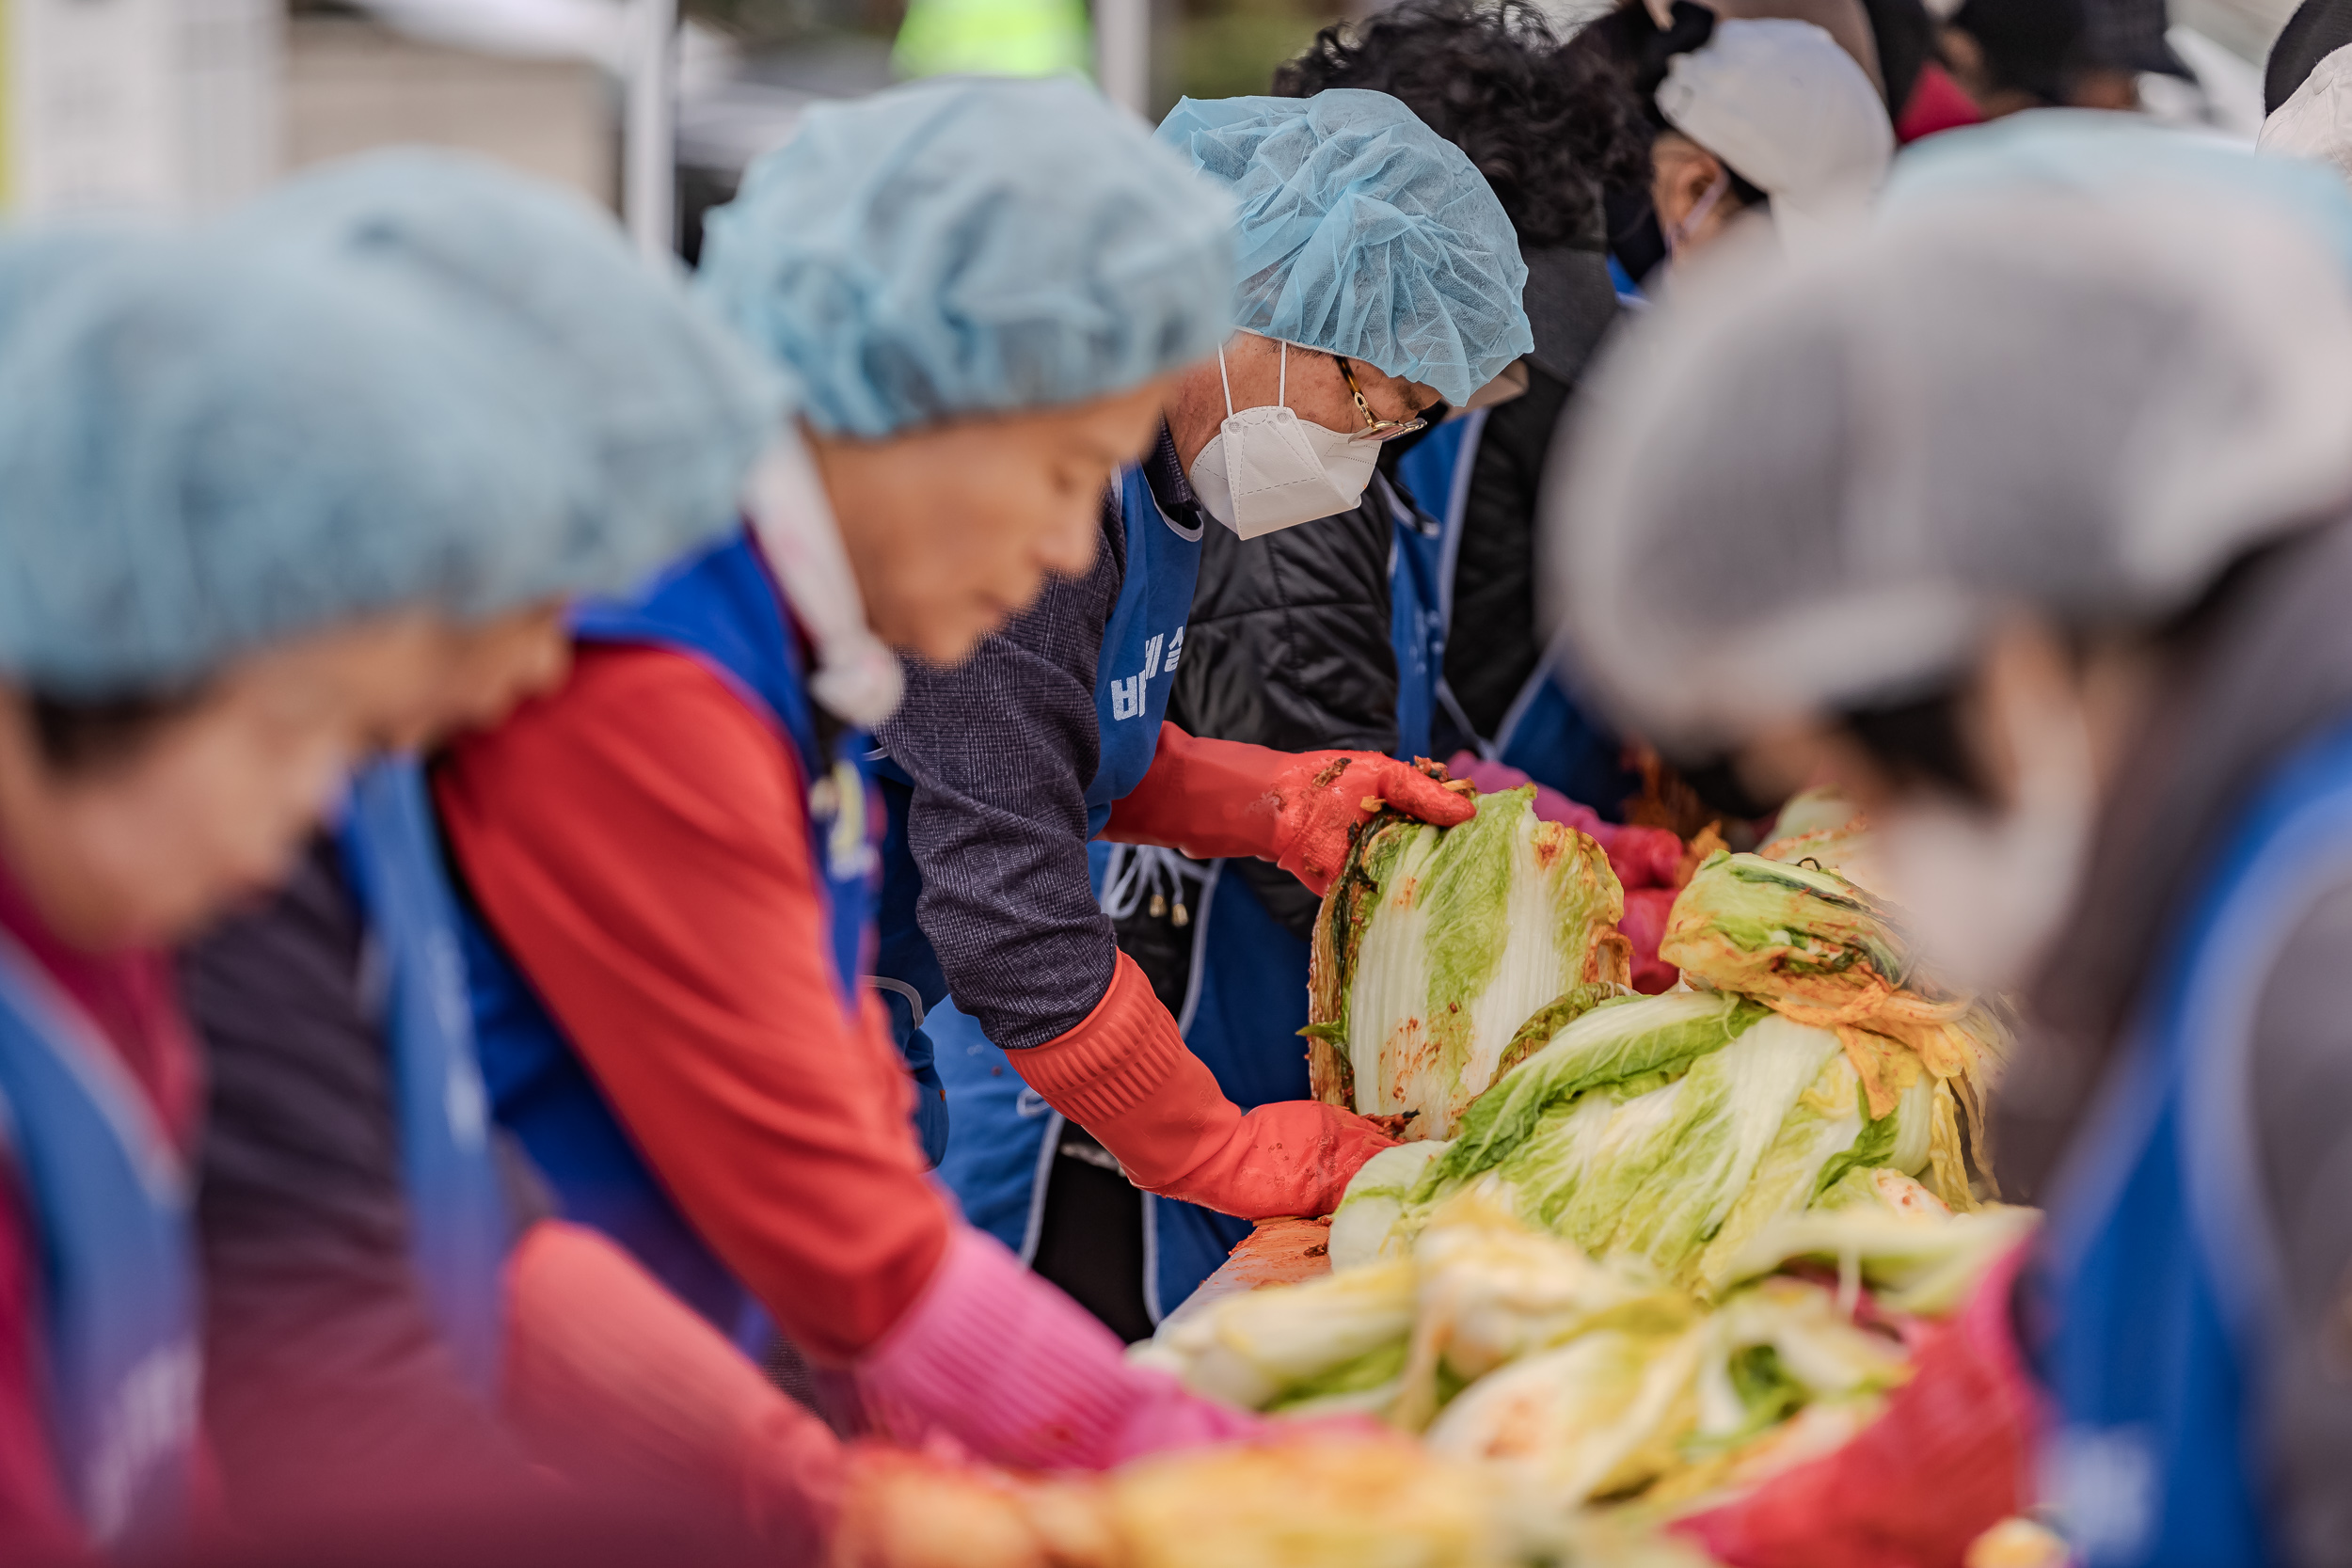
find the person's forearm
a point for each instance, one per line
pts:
(1021, 1375)
(620, 1383)
(1127, 1076)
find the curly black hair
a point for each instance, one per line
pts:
(1548, 128)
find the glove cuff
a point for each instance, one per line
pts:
(1124, 1052)
(1127, 1076)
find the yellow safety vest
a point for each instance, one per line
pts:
(994, 37)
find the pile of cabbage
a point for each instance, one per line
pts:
(1580, 1384)
(1444, 956)
(1471, 977)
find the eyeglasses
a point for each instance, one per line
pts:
(1375, 429)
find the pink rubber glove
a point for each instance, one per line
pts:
(1220, 798)
(1640, 857)
(1951, 1457)
(1017, 1372)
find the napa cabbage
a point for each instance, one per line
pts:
(1437, 947)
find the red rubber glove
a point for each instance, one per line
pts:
(1951, 1457)
(1127, 1076)
(1220, 798)
(626, 1386)
(1645, 926)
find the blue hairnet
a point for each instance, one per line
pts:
(671, 409)
(2095, 154)
(1364, 233)
(410, 380)
(201, 452)
(970, 246)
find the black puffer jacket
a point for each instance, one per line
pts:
(1491, 642)
(1293, 627)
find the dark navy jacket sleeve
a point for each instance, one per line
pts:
(323, 1370)
(1000, 750)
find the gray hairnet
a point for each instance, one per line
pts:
(1809, 484)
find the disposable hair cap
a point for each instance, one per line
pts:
(971, 247)
(670, 408)
(1789, 111)
(405, 381)
(2091, 154)
(1364, 233)
(1805, 485)
(2316, 121)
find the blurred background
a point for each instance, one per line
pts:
(653, 106)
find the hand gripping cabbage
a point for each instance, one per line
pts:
(1443, 954)
(1818, 950)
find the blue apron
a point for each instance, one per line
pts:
(1546, 734)
(109, 1198)
(1435, 472)
(1247, 996)
(1005, 1135)
(457, 1220)
(1247, 999)
(2159, 1266)
(723, 609)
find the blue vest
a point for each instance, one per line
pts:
(2159, 1263)
(723, 609)
(457, 1218)
(109, 1203)
(1546, 734)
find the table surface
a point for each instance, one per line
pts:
(1279, 1252)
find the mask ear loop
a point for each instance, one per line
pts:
(1227, 380)
(1680, 235)
(1282, 379)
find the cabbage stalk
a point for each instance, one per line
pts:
(1441, 956)
(1364, 1228)
(1603, 1413)
(1334, 1344)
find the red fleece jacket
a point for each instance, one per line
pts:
(640, 843)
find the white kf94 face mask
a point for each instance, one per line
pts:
(1266, 469)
